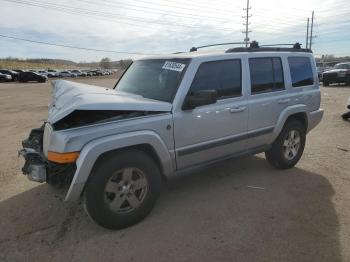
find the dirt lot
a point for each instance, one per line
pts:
(302, 214)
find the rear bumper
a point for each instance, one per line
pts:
(334, 79)
(315, 118)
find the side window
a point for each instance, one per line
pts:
(266, 74)
(222, 76)
(300, 71)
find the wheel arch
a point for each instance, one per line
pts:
(297, 112)
(146, 141)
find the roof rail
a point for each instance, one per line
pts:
(254, 47)
(193, 49)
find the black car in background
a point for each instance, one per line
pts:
(18, 70)
(13, 74)
(340, 73)
(31, 76)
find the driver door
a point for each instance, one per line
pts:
(213, 131)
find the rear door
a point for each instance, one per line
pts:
(268, 97)
(213, 131)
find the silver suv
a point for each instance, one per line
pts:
(167, 114)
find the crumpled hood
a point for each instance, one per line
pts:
(70, 96)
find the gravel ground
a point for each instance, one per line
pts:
(301, 214)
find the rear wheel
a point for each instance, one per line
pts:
(325, 83)
(288, 148)
(122, 189)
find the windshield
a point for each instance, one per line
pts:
(154, 79)
(342, 66)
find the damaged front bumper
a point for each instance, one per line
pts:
(37, 167)
(34, 166)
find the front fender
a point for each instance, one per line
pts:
(91, 151)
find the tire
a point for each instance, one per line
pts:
(107, 181)
(325, 83)
(346, 115)
(347, 83)
(276, 156)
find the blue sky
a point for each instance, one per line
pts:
(163, 26)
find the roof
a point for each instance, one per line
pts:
(218, 53)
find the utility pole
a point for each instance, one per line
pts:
(311, 30)
(246, 24)
(307, 33)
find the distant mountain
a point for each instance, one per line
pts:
(45, 63)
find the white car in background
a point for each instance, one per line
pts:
(52, 73)
(78, 73)
(42, 72)
(67, 74)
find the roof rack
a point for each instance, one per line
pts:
(193, 49)
(254, 47)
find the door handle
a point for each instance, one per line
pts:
(284, 101)
(237, 109)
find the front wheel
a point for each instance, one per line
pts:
(288, 148)
(122, 189)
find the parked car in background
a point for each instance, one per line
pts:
(5, 77)
(31, 77)
(320, 71)
(98, 72)
(93, 73)
(78, 73)
(18, 70)
(13, 74)
(43, 72)
(88, 72)
(339, 74)
(66, 74)
(52, 73)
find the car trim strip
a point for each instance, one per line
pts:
(209, 145)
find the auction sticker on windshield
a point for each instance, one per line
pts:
(169, 65)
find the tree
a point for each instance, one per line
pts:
(125, 63)
(105, 63)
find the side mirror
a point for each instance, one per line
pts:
(200, 98)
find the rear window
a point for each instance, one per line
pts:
(300, 71)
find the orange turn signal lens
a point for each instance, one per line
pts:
(62, 158)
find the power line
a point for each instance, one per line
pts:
(206, 9)
(73, 47)
(88, 12)
(139, 8)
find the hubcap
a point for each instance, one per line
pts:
(291, 144)
(126, 190)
